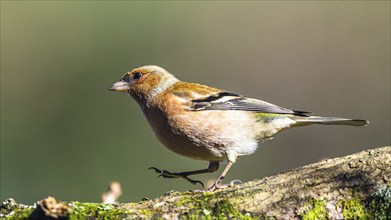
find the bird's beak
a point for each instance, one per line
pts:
(120, 86)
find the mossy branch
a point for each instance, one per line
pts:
(357, 186)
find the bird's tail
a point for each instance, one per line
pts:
(301, 121)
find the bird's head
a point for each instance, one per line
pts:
(144, 83)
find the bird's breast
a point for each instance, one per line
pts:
(204, 135)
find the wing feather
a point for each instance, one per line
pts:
(231, 101)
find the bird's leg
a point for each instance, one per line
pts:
(213, 166)
(217, 184)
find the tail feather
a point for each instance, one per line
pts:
(330, 121)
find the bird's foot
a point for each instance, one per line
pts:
(217, 185)
(168, 174)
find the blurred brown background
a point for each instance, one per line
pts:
(64, 134)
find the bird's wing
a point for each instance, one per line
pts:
(230, 101)
(203, 98)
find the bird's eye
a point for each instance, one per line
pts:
(137, 75)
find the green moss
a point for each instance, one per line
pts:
(209, 207)
(353, 209)
(147, 213)
(378, 206)
(184, 200)
(379, 203)
(316, 210)
(10, 210)
(225, 210)
(19, 213)
(96, 211)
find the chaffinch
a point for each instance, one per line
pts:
(207, 123)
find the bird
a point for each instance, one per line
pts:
(209, 124)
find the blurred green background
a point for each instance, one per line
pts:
(64, 134)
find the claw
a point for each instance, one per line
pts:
(233, 182)
(194, 182)
(160, 172)
(167, 174)
(155, 169)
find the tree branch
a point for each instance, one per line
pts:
(357, 186)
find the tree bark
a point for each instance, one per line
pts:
(357, 186)
(330, 184)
